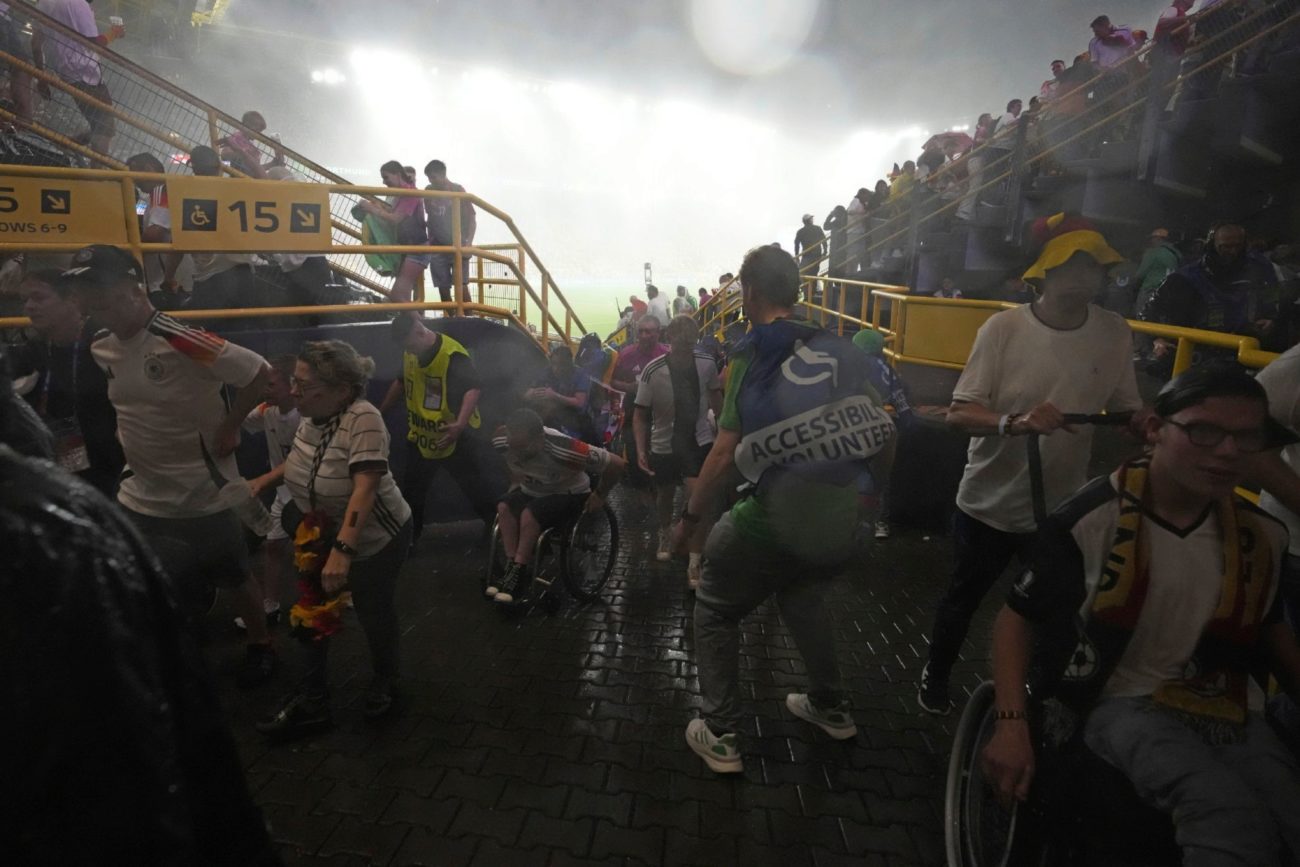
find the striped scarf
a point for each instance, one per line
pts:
(1212, 691)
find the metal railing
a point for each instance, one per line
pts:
(154, 116)
(1238, 30)
(497, 272)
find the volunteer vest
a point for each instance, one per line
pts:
(805, 407)
(427, 409)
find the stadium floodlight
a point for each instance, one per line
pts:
(328, 76)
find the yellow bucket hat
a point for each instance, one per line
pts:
(1061, 237)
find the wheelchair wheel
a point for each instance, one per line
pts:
(978, 832)
(588, 556)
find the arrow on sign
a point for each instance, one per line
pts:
(306, 219)
(56, 201)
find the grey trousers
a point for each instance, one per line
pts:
(738, 576)
(1234, 804)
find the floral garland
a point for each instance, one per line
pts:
(315, 615)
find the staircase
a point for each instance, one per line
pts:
(153, 116)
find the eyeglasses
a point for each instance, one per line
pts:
(304, 387)
(1207, 436)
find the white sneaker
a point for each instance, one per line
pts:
(664, 554)
(836, 722)
(883, 530)
(719, 752)
(693, 572)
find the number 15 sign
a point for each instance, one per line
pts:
(237, 215)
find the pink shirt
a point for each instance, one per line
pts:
(632, 361)
(71, 61)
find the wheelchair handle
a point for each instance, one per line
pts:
(1113, 419)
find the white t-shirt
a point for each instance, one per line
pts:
(1186, 577)
(71, 61)
(654, 391)
(280, 429)
(166, 384)
(1017, 362)
(1281, 380)
(658, 308)
(361, 439)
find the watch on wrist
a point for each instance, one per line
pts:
(344, 548)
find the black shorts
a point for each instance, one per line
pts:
(213, 548)
(681, 464)
(101, 121)
(552, 510)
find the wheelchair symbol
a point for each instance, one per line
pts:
(199, 215)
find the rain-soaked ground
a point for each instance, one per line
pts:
(558, 739)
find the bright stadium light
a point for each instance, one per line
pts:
(328, 76)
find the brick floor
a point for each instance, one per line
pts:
(557, 740)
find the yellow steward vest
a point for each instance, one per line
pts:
(427, 409)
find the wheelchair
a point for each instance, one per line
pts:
(1080, 811)
(580, 554)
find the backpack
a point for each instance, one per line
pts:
(806, 407)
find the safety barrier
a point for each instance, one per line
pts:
(52, 210)
(156, 117)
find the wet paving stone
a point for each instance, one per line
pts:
(557, 739)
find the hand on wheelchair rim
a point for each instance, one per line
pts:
(1007, 761)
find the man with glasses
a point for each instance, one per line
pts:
(1151, 599)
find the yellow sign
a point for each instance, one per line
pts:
(41, 211)
(237, 215)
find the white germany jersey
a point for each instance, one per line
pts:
(166, 384)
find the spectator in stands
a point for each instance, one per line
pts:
(1227, 289)
(221, 280)
(340, 481)
(276, 418)
(13, 43)
(241, 150)
(551, 486)
(727, 284)
(441, 388)
(704, 296)
(837, 266)
(855, 236)
(178, 432)
(810, 246)
(904, 183)
(638, 306)
(1008, 120)
(683, 303)
(975, 162)
(1162, 689)
(947, 289)
(156, 228)
(673, 432)
(1159, 260)
(1028, 366)
(893, 392)
(561, 396)
(406, 215)
(1050, 88)
(78, 66)
(656, 303)
(71, 393)
(1111, 46)
(1174, 30)
(109, 710)
(441, 234)
(627, 374)
(794, 530)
